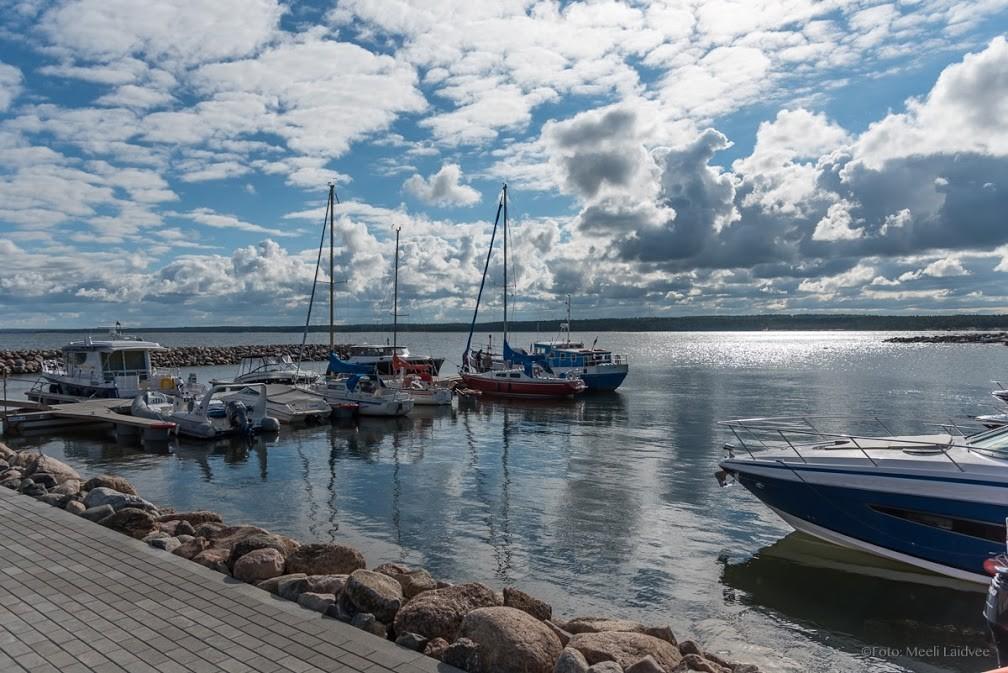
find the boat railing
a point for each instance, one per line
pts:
(803, 435)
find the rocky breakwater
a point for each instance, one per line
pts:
(13, 362)
(998, 338)
(471, 626)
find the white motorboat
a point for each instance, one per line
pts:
(371, 395)
(296, 404)
(225, 409)
(272, 369)
(936, 501)
(118, 366)
(380, 357)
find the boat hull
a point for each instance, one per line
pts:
(597, 379)
(949, 527)
(523, 389)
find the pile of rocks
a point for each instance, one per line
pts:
(968, 338)
(470, 626)
(30, 361)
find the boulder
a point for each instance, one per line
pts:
(464, 654)
(625, 648)
(132, 521)
(258, 565)
(290, 589)
(646, 665)
(515, 598)
(695, 662)
(510, 641)
(168, 544)
(689, 647)
(412, 641)
(68, 487)
(316, 602)
(59, 470)
(570, 661)
(414, 582)
(601, 624)
(110, 481)
(662, 632)
(11, 483)
(393, 569)
(176, 527)
(439, 613)
(97, 513)
(606, 667)
(325, 584)
(106, 496)
(155, 535)
(45, 479)
(214, 558)
(564, 636)
(6, 452)
(54, 499)
(75, 507)
(365, 621)
(272, 584)
(249, 543)
(194, 518)
(325, 559)
(376, 593)
(435, 648)
(211, 530)
(190, 548)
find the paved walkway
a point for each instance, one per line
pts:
(76, 597)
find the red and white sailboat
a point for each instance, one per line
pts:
(517, 374)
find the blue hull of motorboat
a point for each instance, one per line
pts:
(954, 534)
(603, 382)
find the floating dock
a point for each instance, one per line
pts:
(31, 418)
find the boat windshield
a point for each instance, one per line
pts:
(992, 440)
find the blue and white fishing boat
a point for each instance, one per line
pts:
(600, 369)
(937, 501)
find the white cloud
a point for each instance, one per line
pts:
(210, 218)
(836, 224)
(10, 85)
(182, 32)
(442, 188)
(860, 275)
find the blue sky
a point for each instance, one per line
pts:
(166, 164)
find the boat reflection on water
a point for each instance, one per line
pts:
(865, 604)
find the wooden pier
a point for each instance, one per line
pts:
(76, 597)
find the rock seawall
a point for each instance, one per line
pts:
(13, 362)
(966, 338)
(470, 626)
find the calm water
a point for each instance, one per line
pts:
(608, 504)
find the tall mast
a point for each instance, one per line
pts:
(568, 317)
(332, 279)
(395, 295)
(505, 230)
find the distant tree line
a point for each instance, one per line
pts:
(703, 323)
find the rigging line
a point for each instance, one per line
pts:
(311, 300)
(486, 266)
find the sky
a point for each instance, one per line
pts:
(168, 163)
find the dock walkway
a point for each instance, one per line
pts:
(76, 597)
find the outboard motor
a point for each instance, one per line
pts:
(237, 415)
(996, 608)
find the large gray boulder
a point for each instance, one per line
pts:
(272, 585)
(110, 481)
(376, 593)
(325, 559)
(413, 582)
(625, 648)
(439, 613)
(600, 624)
(249, 543)
(194, 518)
(571, 661)
(516, 598)
(510, 640)
(258, 565)
(97, 513)
(102, 495)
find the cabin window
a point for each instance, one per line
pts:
(977, 529)
(76, 358)
(516, 375)
(502, 375)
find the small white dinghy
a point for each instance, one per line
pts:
(226, 409)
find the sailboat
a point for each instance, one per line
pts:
(348, 383)
(517, 374)
(415, 378)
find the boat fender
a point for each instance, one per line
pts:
(269, 424)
